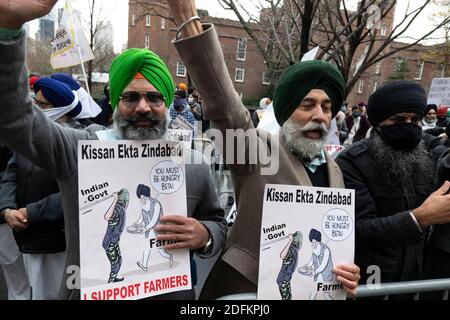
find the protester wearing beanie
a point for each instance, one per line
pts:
(393, 175)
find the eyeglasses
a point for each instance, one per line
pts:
(131, 99)
(403, 117)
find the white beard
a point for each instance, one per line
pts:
(307, 149)
(146, 205)
(316, 250)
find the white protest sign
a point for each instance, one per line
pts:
(181, 135)
(124, 188)
(180, 123)
(310, 55)
(305, 232)
(333, 149)
(439, 92)
(65, 52)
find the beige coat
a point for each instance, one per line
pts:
(237, 269)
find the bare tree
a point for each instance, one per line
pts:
(440, 53)
(37, 57)
(100, 41)
(352, 39)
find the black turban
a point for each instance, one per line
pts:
(396, 97)
(300, 79)
(143, 190)
(315, 235)
(431, 106)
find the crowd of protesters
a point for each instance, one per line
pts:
(395, 155)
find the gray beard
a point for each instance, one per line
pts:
(306, 149)
(124, 128)
(400, 166)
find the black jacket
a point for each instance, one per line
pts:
(441, 235)
(24, 185)
(386, 235)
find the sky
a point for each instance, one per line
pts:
(117, 12)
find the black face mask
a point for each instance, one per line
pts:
(404, 136)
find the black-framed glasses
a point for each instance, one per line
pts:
(132, 98)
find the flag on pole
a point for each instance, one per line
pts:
(70, 44)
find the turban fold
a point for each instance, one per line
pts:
(300, 79)
(59, 95)
(126, 65)
(396, 97)
(143, 190)
(315, 235)
(90, 109)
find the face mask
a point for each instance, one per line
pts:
(404, 136)
(356, 114)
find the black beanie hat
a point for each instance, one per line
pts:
(396, 97)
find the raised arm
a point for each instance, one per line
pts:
(23, 127)
(15, 13)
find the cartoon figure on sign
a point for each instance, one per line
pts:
(116, 222)
(320, 266)
(290, 260)
(151, 212)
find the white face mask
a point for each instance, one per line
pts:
(56, 113)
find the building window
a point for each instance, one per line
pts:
(383, 31)
(442, 70)
(375, 87)
(398, 64)
(419, 70)
(361, 87)
(133, 19)
(147, 20)
(181, 69)
(266, 79)
(378, 68)
(147, 42)
(239, 75)
(163, 23)
(242, 49)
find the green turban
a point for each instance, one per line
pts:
(300, 79)
(126, 65)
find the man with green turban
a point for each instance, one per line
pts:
(308, 96)
(132, 74)
(141, 88)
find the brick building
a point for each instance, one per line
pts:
(245, 65)
(422, 65)
(148, 29)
